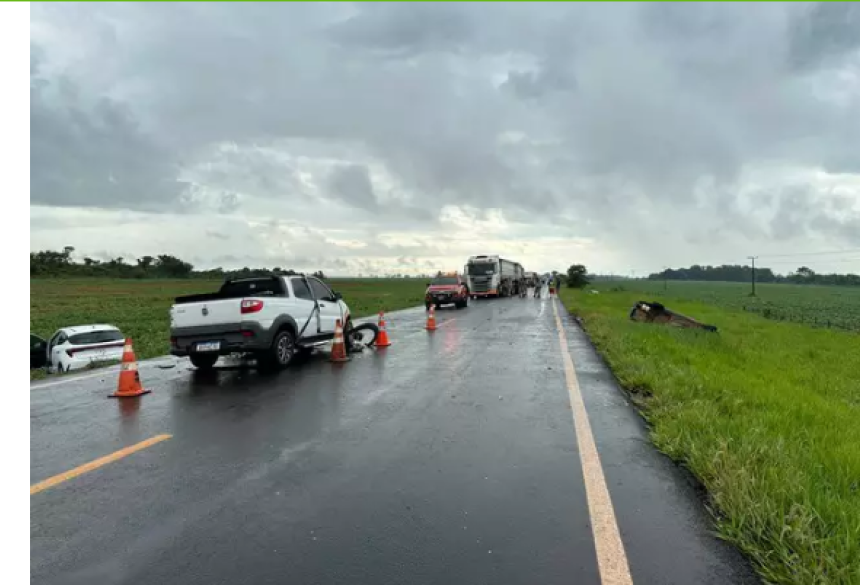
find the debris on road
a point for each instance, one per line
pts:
(649, 312)
(366, 335)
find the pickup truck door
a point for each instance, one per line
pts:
(304, 301)
(329, 307)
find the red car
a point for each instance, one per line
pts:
(446, 290)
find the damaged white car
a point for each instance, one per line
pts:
(76, 348)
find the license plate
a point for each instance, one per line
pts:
(208, 346)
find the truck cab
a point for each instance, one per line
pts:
(492, 276)
(447, 289)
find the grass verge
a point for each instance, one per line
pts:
(140, 307)
(765, 414)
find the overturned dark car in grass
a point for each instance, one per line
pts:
(650, 312)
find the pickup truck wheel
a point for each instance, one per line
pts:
(283, 349)
(203, 361)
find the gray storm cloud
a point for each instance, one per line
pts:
(618, 108)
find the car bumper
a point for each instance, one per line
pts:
(443, 299)
(250, 338)
(84, 361)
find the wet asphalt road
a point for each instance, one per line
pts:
(446, 458)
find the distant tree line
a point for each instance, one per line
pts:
(53, 264)
(738, 273)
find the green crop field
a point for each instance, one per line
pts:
(765, 413)
(823, 306)
(140, 307)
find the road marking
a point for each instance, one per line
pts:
(66, 380)
(443, 323)
(93, 465)
(611, 558)
(69, 378)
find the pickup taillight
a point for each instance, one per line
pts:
(251, 306)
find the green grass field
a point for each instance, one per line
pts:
(823, 306)
(765, 413)
(140, 307)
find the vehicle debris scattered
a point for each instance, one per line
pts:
(651, 312)
(362, 337)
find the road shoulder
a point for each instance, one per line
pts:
(666, 529)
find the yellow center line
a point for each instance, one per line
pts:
(611, 558)
(93, 465)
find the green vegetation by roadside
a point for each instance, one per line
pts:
(766, 414)
(140, 307)
(819, 305)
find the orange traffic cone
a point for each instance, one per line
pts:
(382, 338)
(129, 378)
(431, 318)
(338, 347)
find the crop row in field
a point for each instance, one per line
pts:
(141, 308)
(823, 306)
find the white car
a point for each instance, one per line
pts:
(75, 348)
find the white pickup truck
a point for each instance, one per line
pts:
(271, 317)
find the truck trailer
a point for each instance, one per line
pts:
(492, 276)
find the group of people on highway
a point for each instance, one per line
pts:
(537, 284)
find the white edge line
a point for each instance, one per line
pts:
(114, 369)
(611, 557)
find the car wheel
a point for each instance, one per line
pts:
(203, 361)
(283, 349)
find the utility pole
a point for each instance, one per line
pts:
(753, 274)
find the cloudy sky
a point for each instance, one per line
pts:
(362, 138)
